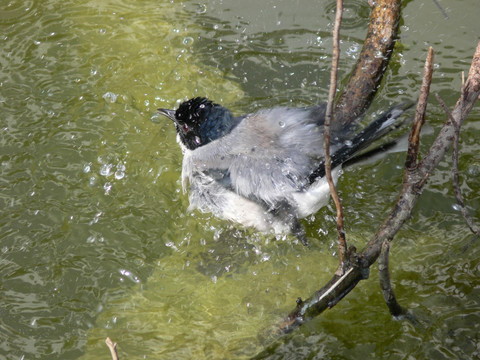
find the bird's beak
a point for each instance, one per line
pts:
(168, 113)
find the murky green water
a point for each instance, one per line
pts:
(94, 236)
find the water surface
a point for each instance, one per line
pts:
(94, 235)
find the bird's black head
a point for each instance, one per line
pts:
(200, 121)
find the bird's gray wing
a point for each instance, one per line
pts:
(267, 157)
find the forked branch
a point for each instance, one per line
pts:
(413, 184)
(411, 164)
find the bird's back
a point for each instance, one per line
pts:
(268, 155)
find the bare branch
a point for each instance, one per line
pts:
(372, 61)
(384, 272)
(455, 176)
(113, 348)
(342, 242)
(414, 138)
(410, 169)
(415, 180)
(339, 286)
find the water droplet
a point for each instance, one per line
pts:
(92, 180)
(156, 118)
(348, 143)
(106, 170)
(474, 170)
(107, 187)
(120, 173)
(188, 41)
(103, 31)
(129, 275)
(87, 168)
(352, 51)
(95, 218)
(110, 97)
(201, 9)
(281, 123)
(172, 245)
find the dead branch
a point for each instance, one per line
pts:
(385, 284)
(413, 184)
(455, 176)
(410, 166)
(419, 120)
(329, 118)
(354, 100)
(372, 62)
(416, 180)
(113, 348)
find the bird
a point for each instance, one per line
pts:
(266, 169)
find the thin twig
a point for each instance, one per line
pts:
(455, 176)
(329, 118)
(113, 348)
(385, 284)
(445, 108)
(414, 137)
(444, 13)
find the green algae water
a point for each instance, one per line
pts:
(95, 238)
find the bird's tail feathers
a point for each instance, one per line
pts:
(384, 124)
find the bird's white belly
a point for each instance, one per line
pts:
(317, 196)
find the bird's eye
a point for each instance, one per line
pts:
(185, 127)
